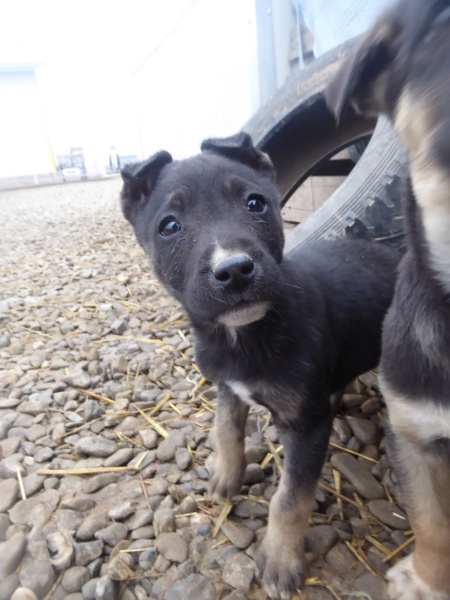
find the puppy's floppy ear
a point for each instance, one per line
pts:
(139, 181)
(240, 147)
(363, 80)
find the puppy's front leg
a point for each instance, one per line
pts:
(282, 557)
(230, 464)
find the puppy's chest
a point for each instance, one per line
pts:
(250, 395)
(258, 381)
(260, 358)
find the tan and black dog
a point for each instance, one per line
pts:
(282, 331)
(402, 69)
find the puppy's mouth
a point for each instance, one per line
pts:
(244, 314)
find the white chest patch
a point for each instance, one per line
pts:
(242, 391)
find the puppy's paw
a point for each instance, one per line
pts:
(405, 584)
(226, 480)
(283, 571)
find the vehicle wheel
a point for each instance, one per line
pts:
(300, 135)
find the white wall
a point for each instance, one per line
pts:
(202, 80)
(23, 145)
(90, 109)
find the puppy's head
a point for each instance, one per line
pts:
(211, 226)
(402, 69)
(402, 53)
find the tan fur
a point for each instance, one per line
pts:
(418, 422)
(412, 123)
(283, 544)
(230, 462)
(425, 479)
(416, 127)
(265, 160)
(432, 188)
(426, 484)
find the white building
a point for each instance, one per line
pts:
(168, 79)
(24, 145)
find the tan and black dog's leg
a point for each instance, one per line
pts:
(281, 559)
(229, 467)
(422, 464)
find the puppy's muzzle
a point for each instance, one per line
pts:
(235, 273)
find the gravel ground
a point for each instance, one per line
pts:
(97, 372)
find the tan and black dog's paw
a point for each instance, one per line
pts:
(282, 571)
(226, 480)
(405, 584)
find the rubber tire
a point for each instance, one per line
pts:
(298, 132)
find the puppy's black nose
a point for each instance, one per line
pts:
(235, 272)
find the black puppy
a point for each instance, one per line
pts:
(402, 69)
(285, 332)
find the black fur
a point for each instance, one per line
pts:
(326, 302)
(413, 366)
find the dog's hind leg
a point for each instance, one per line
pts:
(423, 468)
(229, 467)
(281, 558)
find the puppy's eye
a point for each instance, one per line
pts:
(169, 226)
(256, 203)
